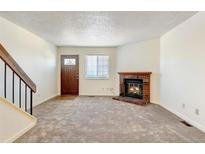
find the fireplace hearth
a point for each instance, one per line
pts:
(134, 87)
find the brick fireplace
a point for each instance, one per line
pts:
(134, 87)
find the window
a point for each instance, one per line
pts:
(97, 67)
(69, 61)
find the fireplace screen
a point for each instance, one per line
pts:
(134, 88)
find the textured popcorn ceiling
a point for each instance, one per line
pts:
(97, 28)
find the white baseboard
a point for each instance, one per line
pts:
(22, 132)
(102, 95)
(45, 100)
(32, 121)
(184, 117)
(154, 102)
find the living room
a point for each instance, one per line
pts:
(102, 76)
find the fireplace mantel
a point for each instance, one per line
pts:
(145, 76)
(135, 73)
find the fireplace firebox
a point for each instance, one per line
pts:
(134, 87)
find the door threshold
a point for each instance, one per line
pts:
(67, 97)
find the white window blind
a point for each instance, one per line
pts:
(97, 66)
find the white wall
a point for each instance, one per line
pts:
(86, 86)
(142, 57)
(36, 56)
(183, 70)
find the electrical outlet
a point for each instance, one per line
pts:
(183, 106)
(197, 111)
(112, 90)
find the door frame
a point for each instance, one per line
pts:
(61, 58)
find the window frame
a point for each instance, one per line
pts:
(70, 63)
(97, 77)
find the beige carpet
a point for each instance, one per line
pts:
(101, 119)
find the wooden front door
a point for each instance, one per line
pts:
(69, 74)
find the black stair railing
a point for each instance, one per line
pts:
(9, 62)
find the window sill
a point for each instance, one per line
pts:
(96, 78)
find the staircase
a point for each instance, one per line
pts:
(16, 99)
(29, 86)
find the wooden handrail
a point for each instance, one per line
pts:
(6, 57)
